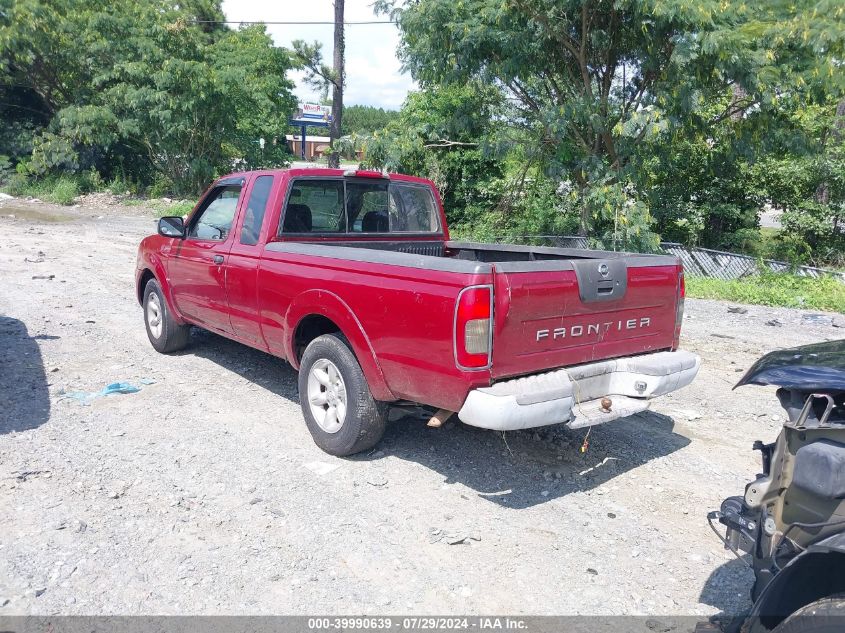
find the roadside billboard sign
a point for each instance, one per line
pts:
(313, 114)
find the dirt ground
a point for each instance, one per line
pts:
(203, 492)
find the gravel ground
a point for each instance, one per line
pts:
(203, 492)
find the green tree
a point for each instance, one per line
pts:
(366, 119)
(144, 89)
(804, 176)
(697, 179)
(439, 133)
(592, 81)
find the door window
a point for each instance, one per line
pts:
(255, 208)
(214, 220)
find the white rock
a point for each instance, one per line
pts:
(689, 414)
(321, 468)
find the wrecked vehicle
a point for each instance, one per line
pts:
(352, 278)
(791, 519)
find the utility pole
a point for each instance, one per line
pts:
(337, 84)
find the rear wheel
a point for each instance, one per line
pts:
(165, 334)
(339, 410)
(822, 616)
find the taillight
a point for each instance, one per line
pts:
(473, 327)
(679, 311)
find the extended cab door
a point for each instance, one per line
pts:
(197, 268)
(244, 257)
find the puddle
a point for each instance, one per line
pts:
(818, 319)
(30, 213)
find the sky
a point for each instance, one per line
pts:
(373, 75)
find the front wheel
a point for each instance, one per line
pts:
(822, 616)
(340, 412)
(165, 334)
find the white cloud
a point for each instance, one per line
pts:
(373, 75)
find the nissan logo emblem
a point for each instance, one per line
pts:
(604, 271)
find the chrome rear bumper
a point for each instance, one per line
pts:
(573, 395)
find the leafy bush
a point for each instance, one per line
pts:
(783, 246)
(161, 187)
(773, 289)
(509, 211)
(16, 185)
(6, 170)
(90, 181)
(120, 186)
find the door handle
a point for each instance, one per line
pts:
(218, 259)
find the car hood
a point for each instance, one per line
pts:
(816, 367)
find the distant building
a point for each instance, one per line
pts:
(315, 146)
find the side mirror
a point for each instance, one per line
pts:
(171, 226)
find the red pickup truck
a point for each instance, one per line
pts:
(351, 277)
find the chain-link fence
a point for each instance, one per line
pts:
(706, 262)
(701, 262)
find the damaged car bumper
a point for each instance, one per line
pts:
(579, 396)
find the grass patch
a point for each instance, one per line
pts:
(63, 191)
(177, 207)
(58, 190)
(785, 290)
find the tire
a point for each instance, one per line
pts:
(165, 334)
(822, 616)
(331, 377)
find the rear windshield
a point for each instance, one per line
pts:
(318, 205)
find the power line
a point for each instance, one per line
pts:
(290, 23)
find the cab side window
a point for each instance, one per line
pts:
(214, 221)
(255, 208)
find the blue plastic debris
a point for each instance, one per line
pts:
(85, 397)
(119, 387)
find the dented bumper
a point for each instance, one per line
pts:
(574, 395)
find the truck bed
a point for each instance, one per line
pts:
(490, 253)
(553, 307)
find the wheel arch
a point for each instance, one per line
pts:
(143, 279)
(153, 268)
(310, 327)
(817, 573)
(319, 312)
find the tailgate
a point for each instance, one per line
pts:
(550, 315)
